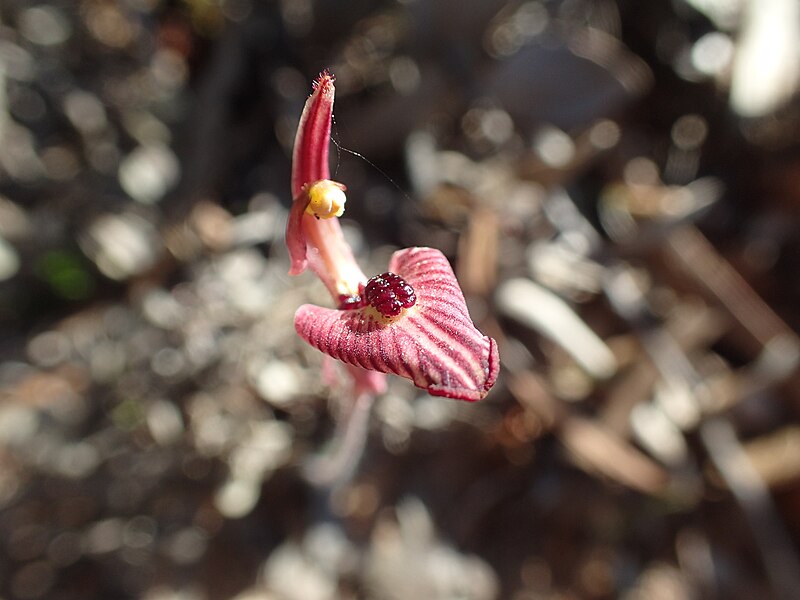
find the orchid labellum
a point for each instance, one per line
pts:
(411, 321)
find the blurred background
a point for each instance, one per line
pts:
(617, 184)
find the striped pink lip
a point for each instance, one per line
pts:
(434, 343)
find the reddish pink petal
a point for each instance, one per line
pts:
(296, 237)
(434, 343)
(310, 153)
(309, 164)
(318, 243)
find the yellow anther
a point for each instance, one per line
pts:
(326, 199)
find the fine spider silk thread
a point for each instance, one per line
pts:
(340, 149)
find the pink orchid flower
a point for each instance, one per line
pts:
(411, 321)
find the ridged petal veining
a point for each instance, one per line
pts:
(434, 343)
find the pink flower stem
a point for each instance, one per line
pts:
(338, 465)
(316, 240)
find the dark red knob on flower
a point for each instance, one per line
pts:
(389, 294)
